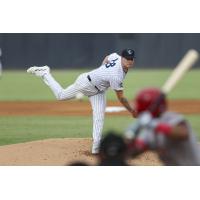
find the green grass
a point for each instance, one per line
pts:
(23, 129)
(195, 123)
(18, 85)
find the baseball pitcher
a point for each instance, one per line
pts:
(167, 133)
(94, 85)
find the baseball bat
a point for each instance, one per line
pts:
(183, 66)
(177, 74)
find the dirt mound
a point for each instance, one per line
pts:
(58, 152)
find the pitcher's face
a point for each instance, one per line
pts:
(128, 63)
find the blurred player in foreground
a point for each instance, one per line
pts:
(94, 84)
(167, 133)
(113, 150)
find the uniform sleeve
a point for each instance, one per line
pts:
(113, 56)
(172, 118)
(116, 84)
(152, 140)
(145, 135)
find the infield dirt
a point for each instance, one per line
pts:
(78, 108)
(65, 151)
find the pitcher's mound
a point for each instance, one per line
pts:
(58, 152)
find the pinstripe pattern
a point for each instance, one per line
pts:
(98, 103)
(60, 93)
(109, 75)
(103, 77)
(80, 85)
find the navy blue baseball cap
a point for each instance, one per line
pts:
(129, 54)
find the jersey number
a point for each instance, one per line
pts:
(111, 64)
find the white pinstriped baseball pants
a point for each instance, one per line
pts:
(97, 100)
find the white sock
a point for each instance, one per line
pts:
(53, 84)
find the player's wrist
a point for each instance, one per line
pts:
(163, 128)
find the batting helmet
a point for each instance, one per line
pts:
(152, 100)
(129, 54)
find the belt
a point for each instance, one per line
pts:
(89, 79)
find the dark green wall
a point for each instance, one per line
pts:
(77, 50)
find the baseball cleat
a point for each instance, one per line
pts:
(38, 71)
(95, 148)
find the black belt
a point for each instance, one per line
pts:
(89, 79)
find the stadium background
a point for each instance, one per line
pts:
(76, 50)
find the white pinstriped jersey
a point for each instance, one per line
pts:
(100, 79)
(109, 75)
(83, 85)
